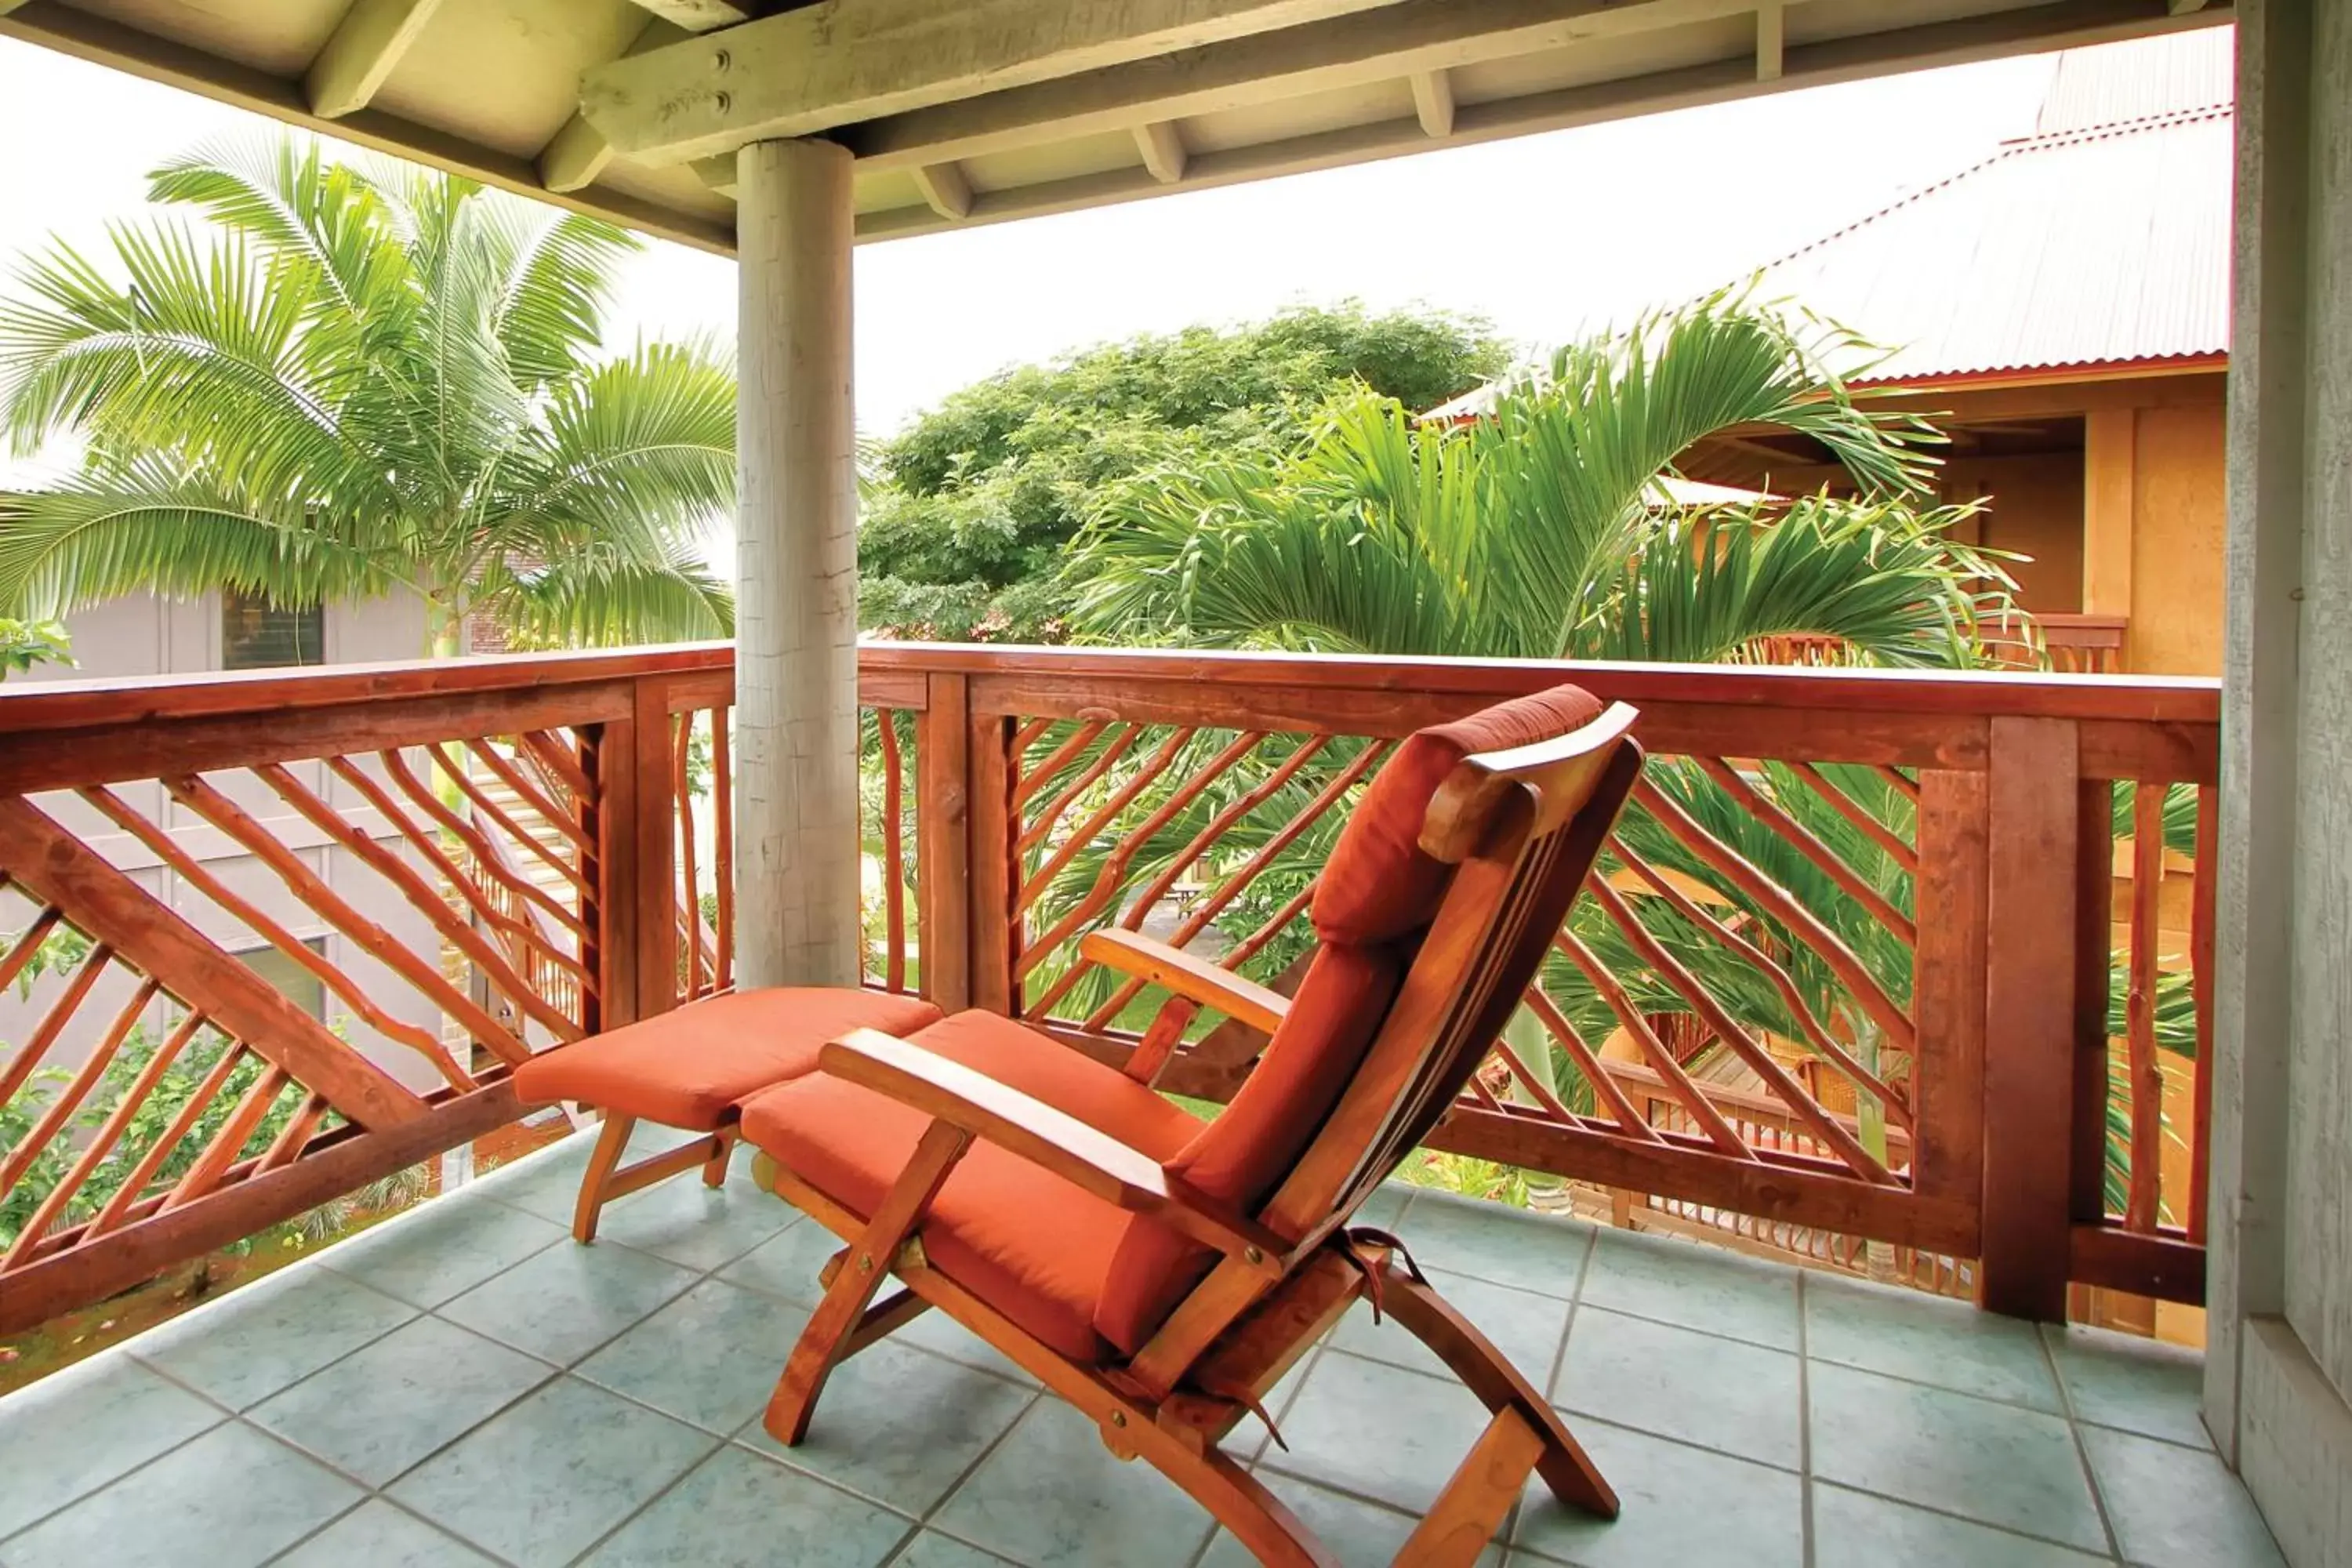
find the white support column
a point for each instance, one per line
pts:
(796, 857)
(2278, 1367)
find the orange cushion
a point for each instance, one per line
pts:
(1377, 886)
(688, 1067)
(1243, 1154)
(1028, 1243)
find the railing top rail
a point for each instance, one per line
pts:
(2173, 700)
(71, 704)
(2155, 699)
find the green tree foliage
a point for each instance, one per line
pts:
(319, 381)
(969, 512)
(1544, 530)
(24, 644)
(170, 1095)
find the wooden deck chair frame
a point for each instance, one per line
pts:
(607, 1179)
(1522, 828)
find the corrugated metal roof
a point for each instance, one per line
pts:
(2140, 80)
(2104, 239)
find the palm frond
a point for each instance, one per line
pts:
(1701, 587)
(144, 528)
(597, 598)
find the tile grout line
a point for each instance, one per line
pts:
(653, 1497)
(1804, 1426)
(2082, 1449)
(556, 1374)
(1552, 1373)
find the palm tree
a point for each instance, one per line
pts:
(347, 380)
(1549, 528)
(1545, 529)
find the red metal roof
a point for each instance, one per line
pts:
(2102, 240)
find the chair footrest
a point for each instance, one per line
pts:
(692, 1067)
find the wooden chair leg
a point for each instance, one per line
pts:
(833, 1327)
(610, 1144)
(1564, 1464)
(1462, 1520)
(1261, 1521)
(714, 1170)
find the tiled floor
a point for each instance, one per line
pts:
(464, 1386)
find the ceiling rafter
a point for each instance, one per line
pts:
(1432, 102)
(1164, 151)
(360, 54)
(1412, 37)
(834, 64)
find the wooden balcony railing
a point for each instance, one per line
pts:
(2060, 641)
(1911, 959)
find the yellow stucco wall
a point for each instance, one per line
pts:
(2034, 511)
(2178, 512)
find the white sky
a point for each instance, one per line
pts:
(1546, 236)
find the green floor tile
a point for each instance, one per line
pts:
(544, 1182)
(1680, 1384)
(1524, 1326)
(381, 1410)
(1999, 1464)
(75, 1430)
(1854, 1529)
(378, 1535)
(228, 1499)
(2139, 1386)
(710, 1357)
(1907, 1333)
(1377, 1431)
(563, 1302)
(447, 1247)
(1051, 1496)
(942, 1335)
(1682, 1506)
(1693, 1287)
(899, 1425)
(271, 1334)
(2176, 1507)
(1359, 1534)
(932, 1550)
(787, 1264)
(1499, 1245)
(549, 1476)
(694, 1225)
(737, 1510)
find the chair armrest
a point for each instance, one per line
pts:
(1147, 958)
(1022, 1124)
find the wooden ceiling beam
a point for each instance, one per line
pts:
(1164, 151)
(577, 155)
(1771, 40)
(841, 61)
(2058, 23)
(1432, 102)
(362, 52)
(945, 190)
(1411, 38)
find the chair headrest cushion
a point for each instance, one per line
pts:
(1379, 886)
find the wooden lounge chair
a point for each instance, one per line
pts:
(1161, 1274)
(692, 1068)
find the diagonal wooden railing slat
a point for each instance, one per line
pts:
(117, 911)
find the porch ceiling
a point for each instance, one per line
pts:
(1004, 109)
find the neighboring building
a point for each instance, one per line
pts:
(2063, 308)
(148, 635)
